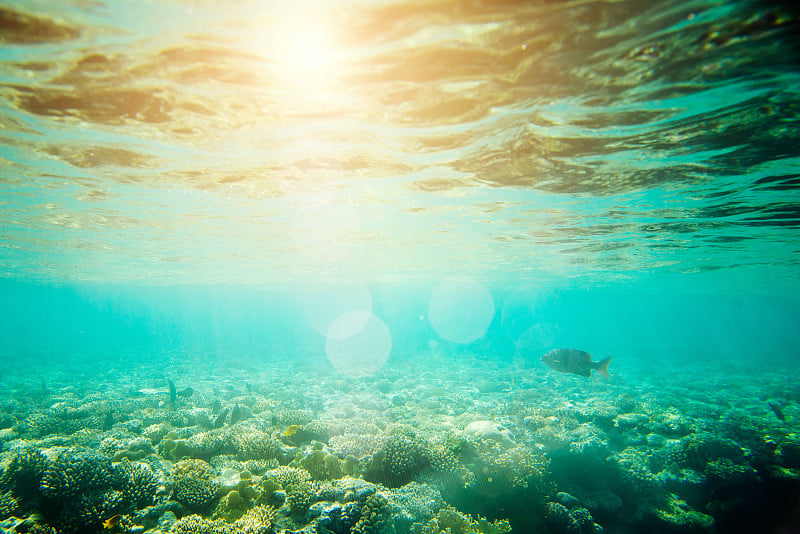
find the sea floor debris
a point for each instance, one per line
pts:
(461, 446)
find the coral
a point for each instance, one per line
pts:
(195, 494)
(374, 516)
(679, 517)
(74, 473)
(320, 464)
(724, 475)
(8, 505)
(296, 483)
(558, 518)
(585, 520)
(256, 445)
(137, 483)
(231, 507)
(316, 430)
(357, 445)
(259, 467)
(135, 449)
(671, 423)
(39, 425)
(292, 417)
(195, 524)
(499, 472)
(257, 520)
(79, 491)
(23, 474)
(193, 468)
(451, 521)
(636, 476)
(398, 462)
(418, 503)
(176, 449)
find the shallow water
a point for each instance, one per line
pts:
(340, 206)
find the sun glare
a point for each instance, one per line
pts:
(300, 43)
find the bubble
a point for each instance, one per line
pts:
(324, 304)
(363, 352)
(461, 310)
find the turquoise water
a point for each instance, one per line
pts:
(350, 205)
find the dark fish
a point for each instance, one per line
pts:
(108, 422)
(576, 362)
(236, 414)
(172, 393)
(216, 406)
(185, 393)
(220, 420)
(777, 410)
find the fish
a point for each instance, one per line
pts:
(219, 422)
(112, 521)
(172, 393)
(576, 362)
(777, 410)
(185, 393)
(108, 422)
(291, 430)
(236, 414)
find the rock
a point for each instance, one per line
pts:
(490, 430)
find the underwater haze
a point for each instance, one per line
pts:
(274, 267)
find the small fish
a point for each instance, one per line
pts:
(220, 420)
(291, 430)
(236, 414)
(172, 393)
(777, 409)
(112, 521)
(108, 422)
(185, 393)
(576, 362)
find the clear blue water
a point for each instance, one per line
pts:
(189, 182)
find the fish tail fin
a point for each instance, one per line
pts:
(602, 367)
